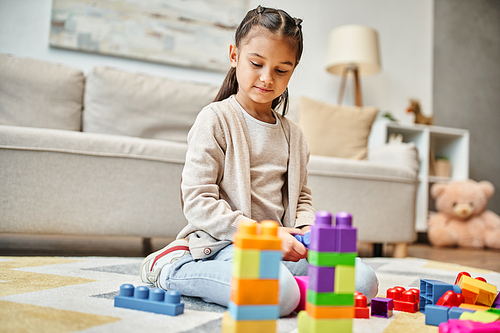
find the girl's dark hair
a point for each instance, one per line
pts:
(276, 21)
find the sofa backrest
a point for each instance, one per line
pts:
(36, 93)
(124, 103)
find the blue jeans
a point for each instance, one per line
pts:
(210, 279)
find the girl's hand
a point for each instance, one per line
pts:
(293, 250)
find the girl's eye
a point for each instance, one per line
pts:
(279, 71)
(256, 64)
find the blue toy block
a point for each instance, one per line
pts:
(253, 312)
(455, 312)
(436, 314)
(155, 300)
(270, 264)
(305, 239)
(432, 290)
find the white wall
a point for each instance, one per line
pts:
(405, 31)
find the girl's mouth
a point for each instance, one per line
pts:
(263, 90)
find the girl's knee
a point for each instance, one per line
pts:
(289, 292)
(366, 280)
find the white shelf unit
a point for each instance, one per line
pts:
(451, 143)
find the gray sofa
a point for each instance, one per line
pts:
(103, 155)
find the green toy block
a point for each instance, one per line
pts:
(331, 259)
(345, 280)
(496, 311)
(307, 324)
(246, 264)
(330, 299)
(480, 316)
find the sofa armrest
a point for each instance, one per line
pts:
(399, 154)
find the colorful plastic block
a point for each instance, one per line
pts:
(345, 279)
(477, 292)
(302, 282)
(361, 310)
(432, 290)
(244, 292)
(496, 302)
(329, 312)
(404, 300)
(346, 234)
(436, 314)
(305, 239)
(269, 267)
(321, 279)
(480, 316)
(230, 325)
(246, 263)
(329, 298)
(474, 307)
(468, 326)
(330, 259)
(451, 298)
(307, 324)
(257, 236)
(253, 312)
(382, 307)
(323, 234)
(155, 300)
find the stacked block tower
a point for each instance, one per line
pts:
(330, 293)
(254, 302)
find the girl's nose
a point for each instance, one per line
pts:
(266, 77)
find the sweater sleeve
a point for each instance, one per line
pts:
(203, 171)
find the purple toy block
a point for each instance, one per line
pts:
(496, 302)
(346, 234)
(323, 234)
(321, 279)
(382, 307)
(468, 326)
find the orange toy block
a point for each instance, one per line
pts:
(255, 292)
(477, 292)
(229, 325)
(474, 307)
(258, 236)
(329, 312)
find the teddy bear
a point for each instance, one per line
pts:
(462, 218)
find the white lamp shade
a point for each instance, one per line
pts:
(353, 45)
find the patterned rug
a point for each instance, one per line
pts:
(52, 294)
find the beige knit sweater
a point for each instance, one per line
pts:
(216, 181)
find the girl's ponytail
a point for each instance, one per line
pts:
(229, 86)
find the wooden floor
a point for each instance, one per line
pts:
(26, 245)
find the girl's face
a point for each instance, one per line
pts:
(264, 64)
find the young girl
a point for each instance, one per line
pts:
(245, 162)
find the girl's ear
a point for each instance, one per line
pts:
(233, 55)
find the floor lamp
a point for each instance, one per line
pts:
(353, 49)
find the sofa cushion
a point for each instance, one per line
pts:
(35, 93)
(336, 130)
(123, 103)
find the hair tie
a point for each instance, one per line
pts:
(260, 9)
(297, 22)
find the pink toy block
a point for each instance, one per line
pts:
(302, 281)
(468, 326)
(346, 234)
(323, 234)
(321, 279)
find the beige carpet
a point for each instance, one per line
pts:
(50, 294)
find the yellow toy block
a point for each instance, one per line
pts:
(246, 264)
(255, 292)
(474, 307)
(329, 312)
(345, 280)
(307, 324)
(477, 291)
(481, 316)
(229, 325)
(263, 236)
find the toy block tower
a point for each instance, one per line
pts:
(330, 293)
(254, 303)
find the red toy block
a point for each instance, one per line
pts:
(361, 310)
(459, 276)
(404, 300)
(451, 299)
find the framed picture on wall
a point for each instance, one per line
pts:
(188, 33)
